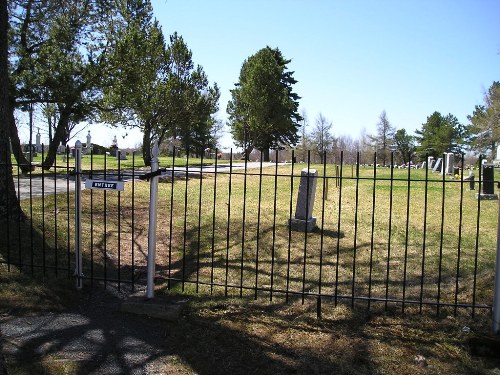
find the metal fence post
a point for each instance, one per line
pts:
(496, 300)
(78, 215)
(153, 200)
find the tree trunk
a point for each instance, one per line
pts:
(266, 154)
(146, 147)
(23, 163)
(59, 136)
(9, 204)
(247, 152)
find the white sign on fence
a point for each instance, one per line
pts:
(104, 185)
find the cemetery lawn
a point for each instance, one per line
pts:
(218, 333)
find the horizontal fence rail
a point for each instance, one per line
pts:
(399, 238)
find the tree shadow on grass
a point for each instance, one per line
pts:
(85, 333)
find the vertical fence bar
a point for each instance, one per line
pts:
(290, 210)
(322, 236)
(68, 247)
(170, 225)
(199, 224)
(340, 180)
(273, 253)
(496, 300)
(305, 229)
(243, 222)
(153, 202)
(91, 221)
(214, 217)
(186, 171)
(389, 236)
(105, 234)
(119, 208)
(460, 224)
(258, 230)
(426, 193)
(370, 272)
(44, 255)
(8, 218)
(132, 245)
(56, 263)
(228, 229)
(407, 232)
(474, 284)
(32, 255)
(78, 215)
(19, 249)
(355, 232)
(441, 236)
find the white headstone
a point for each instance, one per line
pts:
(89, 140)
(38, 142)
(430, 162)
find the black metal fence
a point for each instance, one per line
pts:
(391, 237)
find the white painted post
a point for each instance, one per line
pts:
(153, 200)
(78, 215)
(496, 300)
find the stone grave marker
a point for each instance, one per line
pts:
(430, 161)
(448, 165)
(121, 154)
(488, 183)
(437, 165)
(303, 220)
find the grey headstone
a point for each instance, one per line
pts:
(303, 220)
(120, 154)
(450, 161)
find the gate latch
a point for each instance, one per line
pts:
(149, 175)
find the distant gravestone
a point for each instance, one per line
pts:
(61, 149)
(303, 220)
(437, 165)
(424, 164)
(121, 154)
(488, 183)
(38, 141)
(430, 161)
(448, 165)
(488, 180)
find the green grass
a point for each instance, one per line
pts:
(389, 250)
(348, 341)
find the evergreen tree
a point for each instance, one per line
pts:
(405, 145)
(440, 134)
(484, 127)
(263, 110)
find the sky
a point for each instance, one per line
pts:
(352, 59)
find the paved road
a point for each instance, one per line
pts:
(63, 184)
